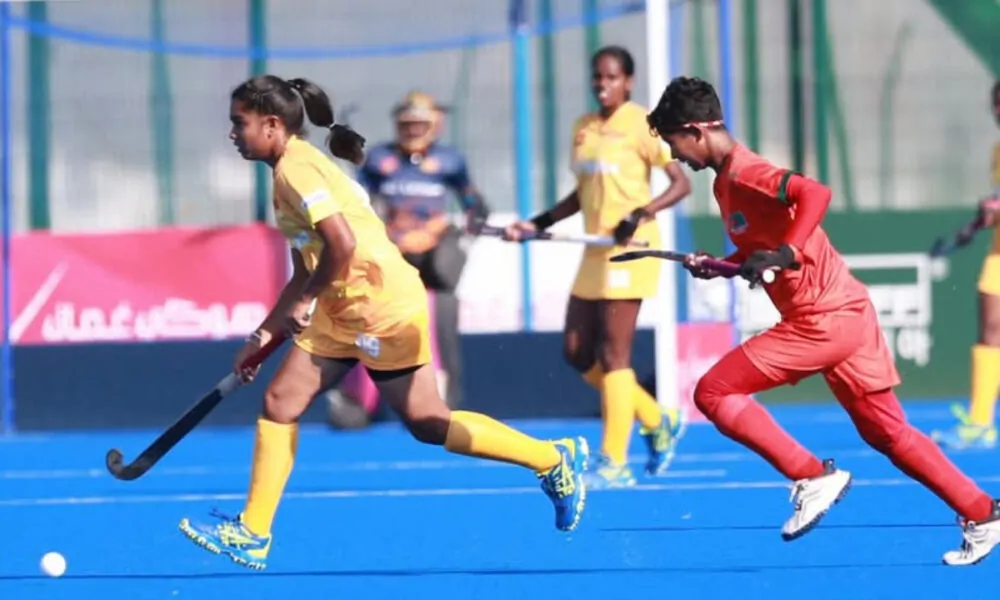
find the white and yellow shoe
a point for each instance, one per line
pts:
(966, 434)
(662, 441)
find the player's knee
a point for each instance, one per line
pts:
(707, 396)
(989, 334)
(581, 359)
(717, 405)
(885, 438)
(614, 356)
(427, 422)
(429, 429)
(279, 407)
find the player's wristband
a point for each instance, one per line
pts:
(543, 221)
(475, 205)
(256, 337)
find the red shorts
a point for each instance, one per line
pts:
(846, 346)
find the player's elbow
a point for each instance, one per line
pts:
(338, 239)
(824, 196)
(343, 250)
(679, 179)
(804, 191)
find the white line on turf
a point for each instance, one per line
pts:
(433, 492)
(211, 471)
(823, 414)
(692, 458)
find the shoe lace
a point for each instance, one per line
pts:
(661, 437)
(799, 489)
(968, 530)
(961, 414)
(559, 481)
(231, 530)
(218, 514)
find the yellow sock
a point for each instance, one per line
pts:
(594, 376)
(273, 455)
(985, 384)
(474, 434)
(618, 413)
(647, 410)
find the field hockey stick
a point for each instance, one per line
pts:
(960, 239)
(192, 417)
(722, 267)
(588, 239)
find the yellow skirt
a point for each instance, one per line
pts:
(400, 345)
(600, 279)
(989, 277)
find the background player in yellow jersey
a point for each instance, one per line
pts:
(372, 309)
(977, 426)
(612, 157)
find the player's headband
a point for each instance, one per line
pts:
(655, 130)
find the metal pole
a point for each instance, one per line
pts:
(725, 26)
(6, 343)
(550, 117)
(162, 113)
(821, 90)
(751, 75)
(523, 144)
(258, 66)
(39, 120)
(658, 53)
(795, 85)
(591, 43)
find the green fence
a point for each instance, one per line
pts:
(885, 100)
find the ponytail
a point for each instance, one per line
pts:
(344, 142)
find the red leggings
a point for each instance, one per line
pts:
(722, 395)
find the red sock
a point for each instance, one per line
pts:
(722, 395)
(880, 421)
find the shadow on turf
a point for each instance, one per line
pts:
(477, 572)
(681, 529)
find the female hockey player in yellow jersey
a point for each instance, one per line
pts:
(612, 157)
(372, 309)
(977, 425)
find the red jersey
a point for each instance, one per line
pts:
(758, 210)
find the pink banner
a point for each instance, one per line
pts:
(165, 284)
(699, 346)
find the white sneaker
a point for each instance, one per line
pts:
(813, 498)
(978, 540)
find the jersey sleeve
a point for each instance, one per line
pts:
(308, 191)
(575, 140)
(368, 174)
(655, 151)
(457, 178)
(767, 179)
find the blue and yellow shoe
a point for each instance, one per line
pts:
(966, 434)
(609, 475)
(564, 484)
(662, 441)
(231, 537)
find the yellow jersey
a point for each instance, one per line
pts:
(377, 290)
(612, 160)
(996, 190)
